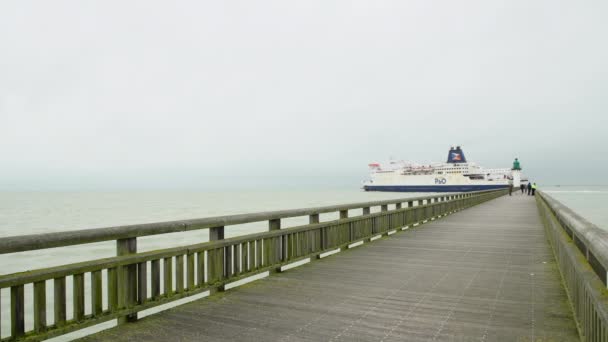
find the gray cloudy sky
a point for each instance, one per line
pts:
(164, 94)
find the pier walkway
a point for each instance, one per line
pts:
(484, 274)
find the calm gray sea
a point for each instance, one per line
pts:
(590, 201)
(42, 212)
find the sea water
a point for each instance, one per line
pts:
(590, 201)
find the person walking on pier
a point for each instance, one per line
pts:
(534, 189)
(522, 186)
(510, 187)
(529, 188)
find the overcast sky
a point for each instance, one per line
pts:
(213, 94)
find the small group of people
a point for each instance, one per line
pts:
(531, 188)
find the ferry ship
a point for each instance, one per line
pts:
(455, 175)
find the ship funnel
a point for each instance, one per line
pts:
(456, 155)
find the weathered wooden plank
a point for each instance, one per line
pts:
(168, 276)
(220, 261)
(237, 259)
(112, 289)
(17, 311)
(274, 224)
(190, 271)
(216, 233)
(200, 268)
(287, 247)
(96, 293)
(59, 301)
(155, 278)
(265, 252)
(216, 264)
(40, 306)
(127, 278)
(179, 274)
(258, 253)
(142, 282)
(228, 252)
(245, 256)
(78, 297)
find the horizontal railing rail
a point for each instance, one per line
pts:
(23, 243)
(581, 251)
(138, 281)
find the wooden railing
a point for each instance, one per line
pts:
(208, 266)
(581, 251)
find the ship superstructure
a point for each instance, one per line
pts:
(455, 175)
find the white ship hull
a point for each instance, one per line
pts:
(430, 183)
(456, 175)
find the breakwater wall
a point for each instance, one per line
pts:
(581, 251)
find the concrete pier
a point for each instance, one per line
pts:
(483, 274)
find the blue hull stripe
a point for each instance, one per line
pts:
(432, 188)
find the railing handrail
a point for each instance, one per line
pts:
(21, 243)
(592, 236)
(7, 280)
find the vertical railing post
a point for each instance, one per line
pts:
(78, 296)
(155, 277)
(96, 293)
(366, 211)
(410, 204)
(39, 306)
(384, 207)
(312, 219)
(215, 234)
(127, 279)
(398, 206)
(274, 224)
(281, 247)
(343, 214)
(59, 300)
(17, 311)
(142, 282)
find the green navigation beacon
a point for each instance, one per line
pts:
(516, 165)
